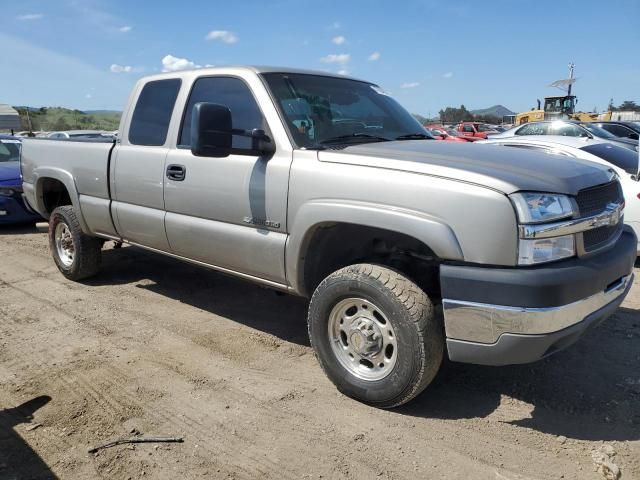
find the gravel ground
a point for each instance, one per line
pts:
(156, 347)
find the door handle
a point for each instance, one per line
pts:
(176, 172)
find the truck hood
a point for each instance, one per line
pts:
(10, 174)
(506, 169)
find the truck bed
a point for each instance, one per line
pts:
(81, 165)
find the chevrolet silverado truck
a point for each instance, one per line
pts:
(324, 186)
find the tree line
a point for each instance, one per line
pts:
(60, 119)
(626, 106)
(455, 115)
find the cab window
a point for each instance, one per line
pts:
(152, 115)
(232, 93)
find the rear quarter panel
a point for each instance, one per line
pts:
(81, 166)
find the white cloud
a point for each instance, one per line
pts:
(448, 75)
(31, 16)
(88, 96)
(222, 35)
(344, 71)
(125, 28)
(339, 40)
(336, 58)
(115, 68)
(375, 56)
(174, 64)
(410, 85)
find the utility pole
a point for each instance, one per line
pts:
(571, 67)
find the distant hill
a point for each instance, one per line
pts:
(57, 118)
(495, 111)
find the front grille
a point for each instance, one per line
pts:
(592, 201)
(598, 237)
(595, 200)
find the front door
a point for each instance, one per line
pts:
(228, 212)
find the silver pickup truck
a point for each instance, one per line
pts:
(323, 186)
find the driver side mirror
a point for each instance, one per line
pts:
(211, 130)
(634, 136)
(212, 134)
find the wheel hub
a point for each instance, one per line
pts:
(365, 337)
(362, 338)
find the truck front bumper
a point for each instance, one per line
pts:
(496, 316)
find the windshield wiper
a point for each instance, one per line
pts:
(415, 136)
(346, 138)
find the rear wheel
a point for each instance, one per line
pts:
(375, 334)
(76, 254)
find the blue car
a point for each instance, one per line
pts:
(12, 207)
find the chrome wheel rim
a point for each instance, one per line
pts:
(64, 244)
(362, 339)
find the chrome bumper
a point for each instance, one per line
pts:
(485, 323)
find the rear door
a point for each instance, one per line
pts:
(228, 212)
(138, 171)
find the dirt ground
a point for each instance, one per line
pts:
(163, 348)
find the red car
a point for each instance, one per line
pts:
(475, 129)
(449, 135)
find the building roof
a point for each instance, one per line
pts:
(9, 118)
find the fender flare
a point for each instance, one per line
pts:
(431, 231)
(43, 173)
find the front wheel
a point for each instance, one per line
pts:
(375, 334)
(76, 254)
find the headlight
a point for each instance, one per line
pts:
(545, 249)
(541, 207)
(6, 192)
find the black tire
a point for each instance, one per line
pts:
(419, 337)
(87, 253)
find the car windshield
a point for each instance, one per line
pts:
(485, 128)
(9, 150)
(597, 131)
(322, 110)
(621, 157)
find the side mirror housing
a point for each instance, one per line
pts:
(211, 130)
(212, 134)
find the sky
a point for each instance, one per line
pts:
(87, 54)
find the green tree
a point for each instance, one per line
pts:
(60, 124)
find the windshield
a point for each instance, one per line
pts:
(597, 131)
(320, 111)
(9, 150)
(621, 157)
(485, 128)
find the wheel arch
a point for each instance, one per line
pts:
(431, 235)
(53, 188)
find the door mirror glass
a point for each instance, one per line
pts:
(211, 130)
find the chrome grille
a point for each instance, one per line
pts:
(594, 200)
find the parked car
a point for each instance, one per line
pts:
(568, 129)
(323, 186)
(12, 207)
(622, 160)
(77, 134)
(449, 136)
(621, 129)
(475, 129)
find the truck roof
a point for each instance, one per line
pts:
(254, 69)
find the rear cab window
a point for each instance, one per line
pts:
(152, 115)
